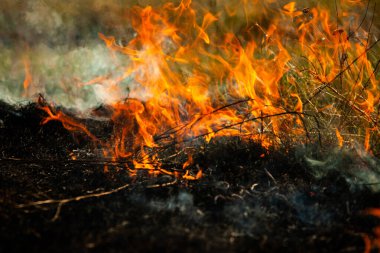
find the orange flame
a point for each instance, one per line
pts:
(28, 76)
(339, 137)
(195, 77)
(375, 242)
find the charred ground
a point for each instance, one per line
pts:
(249, 200)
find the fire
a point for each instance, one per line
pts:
(375, 242)
(196, 78)
(28, 76)
(339, 137)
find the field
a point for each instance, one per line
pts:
(189, 126)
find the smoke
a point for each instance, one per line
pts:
(59, 73)
(359, 168)
(181, 203)
(42, 19)
(60, 43)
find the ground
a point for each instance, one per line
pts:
(245, 201)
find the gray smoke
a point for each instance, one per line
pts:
(359, 168)
(60, 42)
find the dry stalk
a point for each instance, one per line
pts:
(328, 84)
(61, 202)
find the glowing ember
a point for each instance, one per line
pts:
(287, 77)
(375, 242)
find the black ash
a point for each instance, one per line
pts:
(249, 199)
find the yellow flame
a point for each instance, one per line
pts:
(339, 137)
(194, 76)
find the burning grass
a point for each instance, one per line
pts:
(302, 76)
(213, 99)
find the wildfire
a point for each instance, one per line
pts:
(293, 74)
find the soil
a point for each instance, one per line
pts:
(249, 199)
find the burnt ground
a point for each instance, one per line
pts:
(246, 202)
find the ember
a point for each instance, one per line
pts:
(255, 121)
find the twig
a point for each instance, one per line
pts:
(364, 17)
(221, 108)
(245, 121)
(192, 123)
(365, 85)
(61, 202)
(270, 176)
(57, 213)
(163, 184)
(350, 103)
(67, 161)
